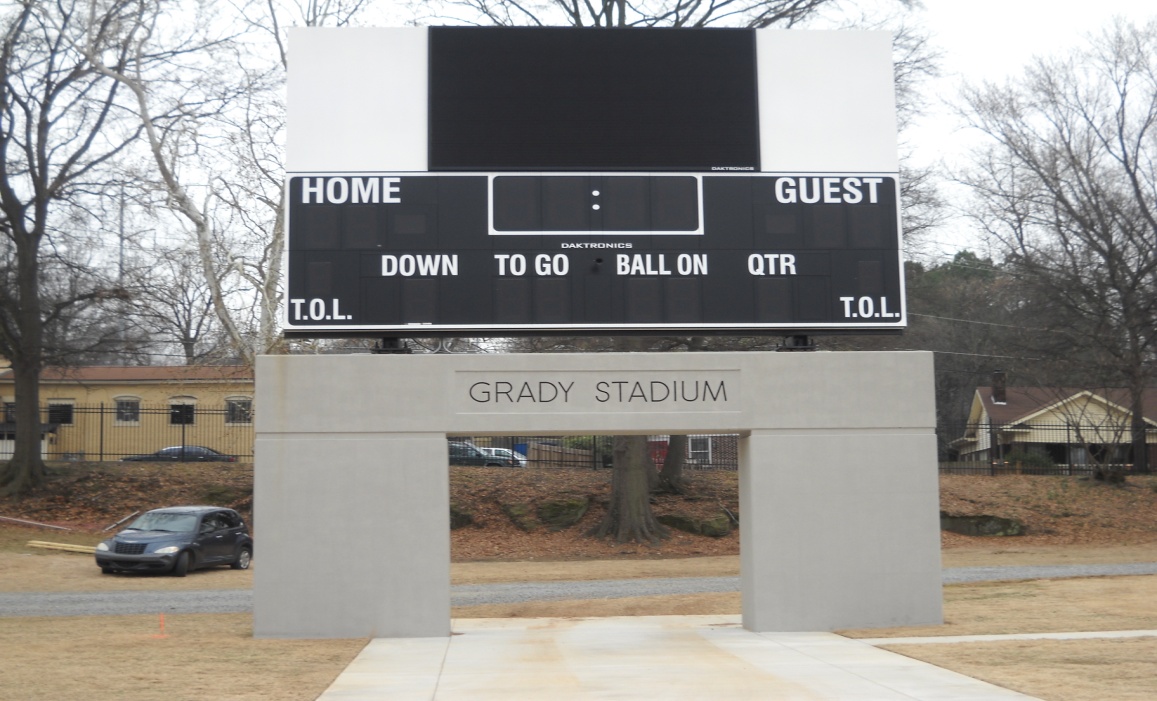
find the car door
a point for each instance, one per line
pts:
(234, 531)
(213, 538)
(464, 454)
(190, 453)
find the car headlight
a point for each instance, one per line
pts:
(103, 547)
(167, 550)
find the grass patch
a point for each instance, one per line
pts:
(202, 656)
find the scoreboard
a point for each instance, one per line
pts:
(498, 181)
(584, 251)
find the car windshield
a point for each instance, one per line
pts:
(174, 523)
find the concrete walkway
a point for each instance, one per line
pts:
(645, 657)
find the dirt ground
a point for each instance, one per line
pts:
(1070, 521)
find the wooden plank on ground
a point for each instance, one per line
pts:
(67, 547)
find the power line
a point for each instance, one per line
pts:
(974, 355)
(971, 321)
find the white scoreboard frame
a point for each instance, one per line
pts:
(358, 103)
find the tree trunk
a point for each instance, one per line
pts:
(1139, 428)
(633, 478)
(629, 516)
(671, 476)
(25, 471)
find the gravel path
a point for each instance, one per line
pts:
(241, 600)
(957, 575)
(121, 603)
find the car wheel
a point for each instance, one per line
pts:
(106, 570)
(182, 567)
(244, 557)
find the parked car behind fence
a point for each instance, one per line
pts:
(506, 453)
(462, 453)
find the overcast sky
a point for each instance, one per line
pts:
(994, 40)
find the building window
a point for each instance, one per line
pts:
(699, 449)
(238, 411)
(60, 413)
(181, 414)
(9, 412)
(128, 411)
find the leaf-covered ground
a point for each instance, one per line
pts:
(91, 496)
(1057, 510)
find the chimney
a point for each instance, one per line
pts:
(999, 395)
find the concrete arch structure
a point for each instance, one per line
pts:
(838, 480)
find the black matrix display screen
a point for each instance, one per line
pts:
(531, 99)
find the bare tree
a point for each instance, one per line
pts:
(59, 130)
(177, 94)
(617, 13)
(972, 313)
(1068, 190)
(214, 122)
(173, 306)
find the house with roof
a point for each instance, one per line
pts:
(109, 412)
(1064, 426)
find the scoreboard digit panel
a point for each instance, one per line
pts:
(483, 253)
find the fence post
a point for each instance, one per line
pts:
(1069, 447)
(101, 449)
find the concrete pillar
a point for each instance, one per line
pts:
(352, 536)
(839, 530)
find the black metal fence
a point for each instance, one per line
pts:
(704, 452)
(122, 429)
(77, 432)
(1017, 468)
(1041, 448)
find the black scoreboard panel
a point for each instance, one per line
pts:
(535, 253)
(531, 99)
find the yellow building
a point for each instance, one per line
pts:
(1069, 427)
(106, 413)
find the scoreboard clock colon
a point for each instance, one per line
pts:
(587, 180)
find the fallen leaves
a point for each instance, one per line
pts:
(1057, 510)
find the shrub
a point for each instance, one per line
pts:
(1028, 459)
